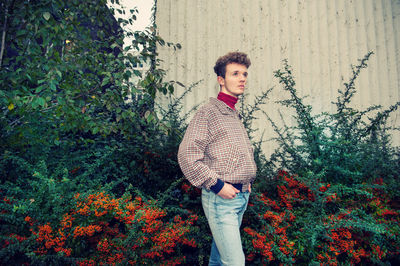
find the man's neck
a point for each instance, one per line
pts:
(227, 99)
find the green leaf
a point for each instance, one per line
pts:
(171, 88)
(106, 80)
(39, 101)
(46, 15)
(53, 86)
(20, 33)
(137, 73)
(180, 84)
(39, 89)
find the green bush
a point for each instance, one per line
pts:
(348, 146)
(341, 203)
(294, 224)
(100, 229)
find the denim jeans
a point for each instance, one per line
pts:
(224, 218)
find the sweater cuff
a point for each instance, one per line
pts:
(218, 186)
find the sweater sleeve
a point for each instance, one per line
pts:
(191, 154)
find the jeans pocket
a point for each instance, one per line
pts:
(228, 210)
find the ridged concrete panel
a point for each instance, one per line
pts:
(321, 39)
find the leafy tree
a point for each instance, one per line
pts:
(73, 118)
(64, 70)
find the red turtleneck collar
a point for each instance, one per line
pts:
(228, 99)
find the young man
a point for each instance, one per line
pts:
(216, 155)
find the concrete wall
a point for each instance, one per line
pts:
(320, 39)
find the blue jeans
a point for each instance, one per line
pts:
(224, 218)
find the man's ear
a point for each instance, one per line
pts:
(221, 81)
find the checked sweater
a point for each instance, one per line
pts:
(217, 149)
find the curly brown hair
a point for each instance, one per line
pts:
(232, 57)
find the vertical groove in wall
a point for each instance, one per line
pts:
(269, 42)
(190, 25)
(396, 26)
(295, 42)
(373, 78)
(363, 32)
(320, 39)
(307, 50)
(208, 80)
(317, 91)
(331, 50)
(352, 49)
(394, 59)
(362, 50)
(175, 30)
(380, 44)
(302, 18)
(390, 43)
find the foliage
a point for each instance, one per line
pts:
(341, 206)
(65, 72)
(285, 226)
(81, 119)
(100, 229)
(184, 199)
(72, 98)
(347, 146)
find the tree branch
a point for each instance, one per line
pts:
(3, 35)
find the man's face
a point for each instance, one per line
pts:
(235, 79)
